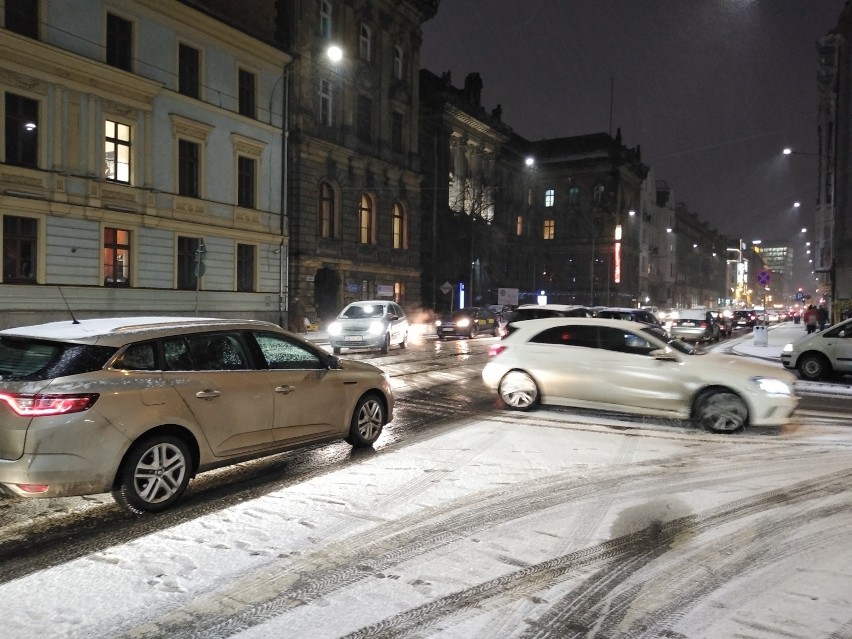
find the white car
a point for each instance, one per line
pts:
(821, 354)
(374, 324)
(621, 366)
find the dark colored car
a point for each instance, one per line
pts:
(468, 322)
(632, 315)
(542, 311)
(745, 319)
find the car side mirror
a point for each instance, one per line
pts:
(333, 361)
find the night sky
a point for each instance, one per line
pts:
(712, 90)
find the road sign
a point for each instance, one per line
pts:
(764, 276)
(446, 287)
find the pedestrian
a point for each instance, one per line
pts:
(811, 318)
(297, 316)
(823, 317)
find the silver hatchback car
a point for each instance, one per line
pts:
(373, 324)
(137, 406)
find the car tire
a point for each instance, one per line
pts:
(154, 474)
(519, 391)
(441, 337)
(385, 344)
(335, 350)
(813, 367)
(473, 332)
(404, 342)
(367, 421)
(721, 411)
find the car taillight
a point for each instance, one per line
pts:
(46, 405)
(703, 324)
(496, 349)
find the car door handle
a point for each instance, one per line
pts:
(285, 389)
(208, 394)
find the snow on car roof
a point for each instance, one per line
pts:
(92, 328)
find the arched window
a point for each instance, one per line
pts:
(325, 19)
(400, 226)
(328, 223)
(365, 43)
(366, 220)
(549, 197)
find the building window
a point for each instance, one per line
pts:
(549, 196)
(598, 195)
(325, 102)
(400, 227)
(574, 195)
(247, 94)
(328, 211)
(21, 17)
(189, 71)
(189, 168)
(117, 152)
(245, 267)
(519, 226)
(365, 43)
(396, 133)
(119, 43)
(325, 19)
(20, 244)
(116, 257)
(398, 63)
(188, 255)
(366, 213)
(363, 125)
(549, 229)
(21, 131)
(246, 181)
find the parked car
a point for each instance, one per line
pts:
(617, 365)
(137, 406)
(745, 319)
(501, 312)
(540, 311)
(631, 315)
(725, 319)
(820, 355)
(468, 322)
(373, 324)
(696, 325)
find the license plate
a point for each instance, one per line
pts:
(353, 338)
(689, 323)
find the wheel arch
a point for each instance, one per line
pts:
(165, 429)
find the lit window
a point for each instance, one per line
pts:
(328, 211)
(400, 227)
(574, 194)
(117, 152)
(549, 196)
(549, 229)
(519, 226)
(116, 257)
(365, 220)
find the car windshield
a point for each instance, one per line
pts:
(359, 312)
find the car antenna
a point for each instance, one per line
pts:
(68, 306)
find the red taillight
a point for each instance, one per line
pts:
(34, 488)
(496, 349)
(46, 405)
(703, 324)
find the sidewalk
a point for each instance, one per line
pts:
(777, 336)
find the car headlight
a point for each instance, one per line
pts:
(437, 322)
(463, 323)
(376, 328)
(772, 386)
(788, 348)
(334, 329)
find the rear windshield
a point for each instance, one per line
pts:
(31, 359)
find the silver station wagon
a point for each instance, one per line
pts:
(137, 406)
